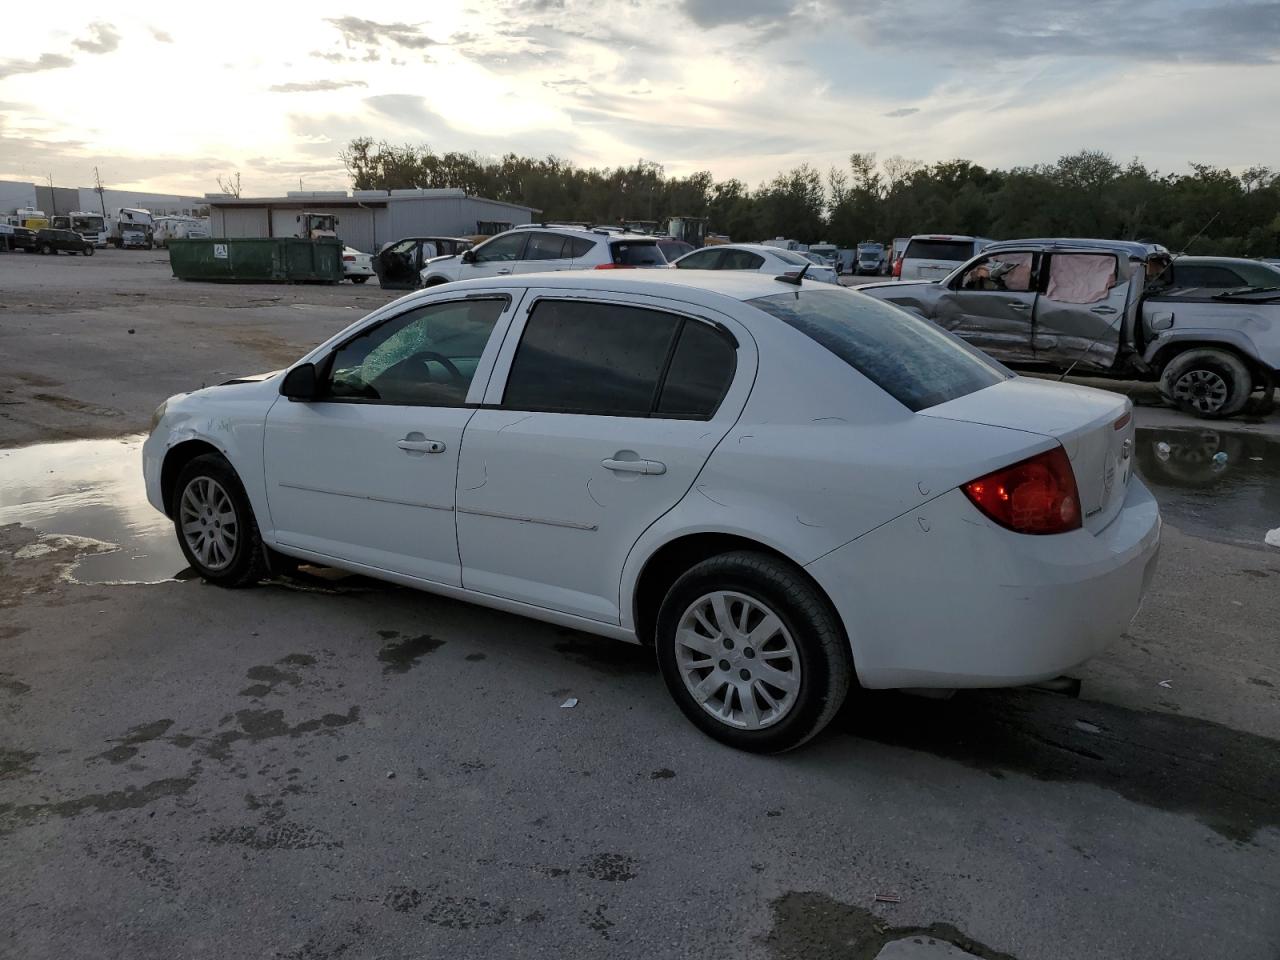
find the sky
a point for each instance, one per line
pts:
(166, 97)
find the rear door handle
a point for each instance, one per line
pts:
(1019, 305)
(505, 270)
(1103, 310)
(650, 468)
(420, 446)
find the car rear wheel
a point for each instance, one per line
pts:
(46, 249)
(1207, 383)
(752, 652)
(88, 251)
(359, 279)
(215, 524)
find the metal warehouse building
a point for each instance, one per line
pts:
(366, 218)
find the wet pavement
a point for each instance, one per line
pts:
(1214, 483)
(92, 489)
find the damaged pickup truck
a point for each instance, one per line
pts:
(1110, 307)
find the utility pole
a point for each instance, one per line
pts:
(53, 199)
(97, 186)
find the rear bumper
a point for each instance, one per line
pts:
(942, 597)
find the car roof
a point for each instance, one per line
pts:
(940, 236)
(706, 285)
(1133, 248)
(595, 233)
(758, 247)
(1225, 261)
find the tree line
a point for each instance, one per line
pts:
(1085, 194)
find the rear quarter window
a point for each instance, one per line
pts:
(905, 356)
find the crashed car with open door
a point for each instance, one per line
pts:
(1109, 307)
(399, 264)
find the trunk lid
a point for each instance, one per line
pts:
(1095, 427)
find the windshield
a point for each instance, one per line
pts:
(907, 357)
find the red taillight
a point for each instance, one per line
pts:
(1037, 495)
(348, 259)
(897, 269)
(615, 266)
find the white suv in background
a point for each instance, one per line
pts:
(536, 249)
(933, 256)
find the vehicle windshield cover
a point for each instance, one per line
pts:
(907, 357)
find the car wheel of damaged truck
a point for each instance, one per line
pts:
(752, 652)
(1207, 383)
(215, 524)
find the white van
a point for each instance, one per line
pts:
(933, 256)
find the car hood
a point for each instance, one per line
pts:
(441, 258)
(896, 284)
(250, 378)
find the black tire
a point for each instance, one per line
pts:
(1207, 382)
(88, 251)
(825, 663)
(434, 282)
(248, 564)
(47, 249)
(359, 279)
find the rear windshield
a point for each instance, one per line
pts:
(905, 356)
(786, 256)
(955, 250)
(674, 249)
(637, 253)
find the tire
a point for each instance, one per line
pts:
(88, 251)
(434, 282)
(46, 250)
(238, 560)
(806, 625)
(1206, 382)
(359, 279)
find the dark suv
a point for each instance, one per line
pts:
(55, 241)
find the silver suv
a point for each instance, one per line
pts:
(542, 249)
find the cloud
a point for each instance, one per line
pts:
(372, 33)
(46, 61)
(719, 13)
(1125, 31)
(160, 35)
(314, 86)
(104, 38)
(902, 112)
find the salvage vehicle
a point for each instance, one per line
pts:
(1110, 307)
(758, 257)
(539, 249)
(356, 266)
(788, 490)
(50, 241)
(399, 264)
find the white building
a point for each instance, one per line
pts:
(366, 218)
(59, 200)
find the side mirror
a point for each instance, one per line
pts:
(469, 256)
(300, 383)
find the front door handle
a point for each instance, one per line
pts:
(652, 468)
(1019, 305)
(416, 443)
(1103, 310)
(504, 270)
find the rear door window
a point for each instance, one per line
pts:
(547, 246)
(584, 357)
(637, 253)
(956, 251)
(700, 373)
(742, 260)
(701, 260)
(907, 357)
(1080, 277)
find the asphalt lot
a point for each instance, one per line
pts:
(329, 767)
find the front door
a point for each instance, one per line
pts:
(496, 257)
(608, 410)
(992, 304)
(366, 473)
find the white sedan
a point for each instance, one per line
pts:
(781, 486)
(356, 266)
(759, 257)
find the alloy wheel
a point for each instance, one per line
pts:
(209, 523)
(738, 660)
(1202, 389)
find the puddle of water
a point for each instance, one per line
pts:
(1213, 483)
(92, 488)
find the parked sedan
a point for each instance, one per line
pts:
(780, 485)
(356, 266)
(50, 241)
(1220, 273)
(757, 257)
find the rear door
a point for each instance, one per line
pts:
(1080, 314)
(398, 265)
(545, 252)
(992, 304)
(601, 412)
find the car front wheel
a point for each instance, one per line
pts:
(88, 251)
(215, 524)
(752, 652)
(1207, 383)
